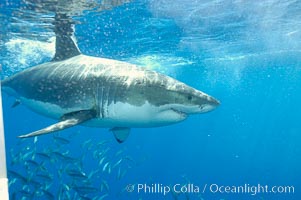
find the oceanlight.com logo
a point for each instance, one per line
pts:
(162, 189)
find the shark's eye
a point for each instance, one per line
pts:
(189, 97)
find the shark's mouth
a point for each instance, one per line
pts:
(183, 114)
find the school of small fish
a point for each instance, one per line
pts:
(43, 170)
(51, 171)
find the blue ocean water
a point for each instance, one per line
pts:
(247, 54)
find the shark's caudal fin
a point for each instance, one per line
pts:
(68, 120)
(65, 45)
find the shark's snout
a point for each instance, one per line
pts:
(213, 102)
(208, 104)
(201, 104)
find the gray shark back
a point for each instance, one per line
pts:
(83, 81)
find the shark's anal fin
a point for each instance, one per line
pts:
(65, 45)
(67, 120)
(120, 133)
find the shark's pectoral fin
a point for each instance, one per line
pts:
(120, 133)
(55, 127)
(67, 120)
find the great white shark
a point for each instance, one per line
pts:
(78, 89)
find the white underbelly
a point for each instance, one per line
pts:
(127, 115)
(115, 115)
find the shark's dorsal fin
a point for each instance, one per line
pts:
(65, 43)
